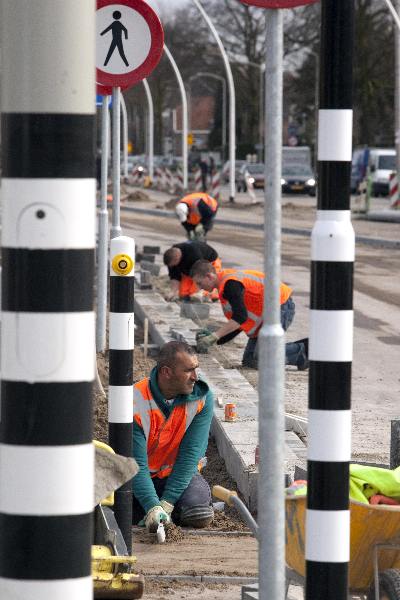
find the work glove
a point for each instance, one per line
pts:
(202, 333)
(199, 229)
(154, 517)
(167, 506)
(205, 342)
(192, 235)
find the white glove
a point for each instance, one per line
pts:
(154, 517)
(199, 229)
(167, 506)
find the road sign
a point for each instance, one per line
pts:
(278, 3)
(129, 42)
(190, 139)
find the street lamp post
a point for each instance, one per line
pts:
(223, 81)
(232, 102)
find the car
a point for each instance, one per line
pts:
(252, 173)
(298, 179)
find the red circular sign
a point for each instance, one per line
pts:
(105, 90)
(278, 3)
(129, 42)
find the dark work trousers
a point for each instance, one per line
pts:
(197, 493)
(294, 351)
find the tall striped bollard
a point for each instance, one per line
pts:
(120, 394)
(170, 181)
(331, 318)
(197, 180)
(394, 191)
(48, 326)
(216, 185)
(179, 180)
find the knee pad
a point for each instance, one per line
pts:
(196, 516)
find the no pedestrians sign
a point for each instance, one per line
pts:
(278, 3)
(129, 42)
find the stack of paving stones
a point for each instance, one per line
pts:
(237, 440)
(149, 266)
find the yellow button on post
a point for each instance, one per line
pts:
(122, 264)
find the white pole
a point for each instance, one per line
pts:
(184, 117)
(125, 133)
(150, 128)
(232, 103)
(116, 163)
(394, 13)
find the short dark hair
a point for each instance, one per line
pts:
(201, 267)
(169, 255)
(168, 352)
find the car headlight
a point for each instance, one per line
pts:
(251, 180)
(310, 182)
(283, 181)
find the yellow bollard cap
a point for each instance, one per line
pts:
(122, 264)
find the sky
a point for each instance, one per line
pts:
(159, 4)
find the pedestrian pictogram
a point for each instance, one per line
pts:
(129, 42)
(117, 29)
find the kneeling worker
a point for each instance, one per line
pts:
(241, 293)
(196, 212)
(172, 411)
(180, 259)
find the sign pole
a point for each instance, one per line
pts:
(271, 518)
(103, 232)
(116, 163)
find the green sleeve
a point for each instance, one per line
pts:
(142, 484)
(192, 448)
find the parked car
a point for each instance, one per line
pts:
(381, 163)
(250, 173)
(298, 179)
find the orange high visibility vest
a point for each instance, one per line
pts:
(163, 435)
(192, 200)
(253, 282)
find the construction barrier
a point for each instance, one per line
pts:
(216, 185)
(197, 180)
(250, 188)
(179, 180)
(394, 191)
(170, 181)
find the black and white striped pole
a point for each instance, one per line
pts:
(121, 343)
(331, 318)
(48, 237)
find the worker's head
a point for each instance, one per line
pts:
(204, 275)
(172, 256)
(182, 210)
(177, 366)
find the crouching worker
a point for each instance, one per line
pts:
(172, 410)
(180, 259)
(197, 212)
(241, 293)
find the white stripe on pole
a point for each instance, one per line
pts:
(120, 410)
(329, 435)
(335, 134)
(65, 589)
(47, 346)
(66, 490)
(327, 530)
(122, 331)
(333, 237)
(331, 335)
(72, 216)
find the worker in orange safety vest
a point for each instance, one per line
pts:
(196, 212)
(241, 293)
(180, 259)
(172, 412)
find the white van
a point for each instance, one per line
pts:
(382, 162)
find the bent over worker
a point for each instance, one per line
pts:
(180, 259)
(196, 212)
(241, 293)
(172, 410)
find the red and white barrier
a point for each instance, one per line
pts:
(170, 181)
(250, 188)
(158, 176)
(394, 191)
(216, 185)
(197, 180)
(179, 179)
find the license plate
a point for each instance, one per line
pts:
(297, 187)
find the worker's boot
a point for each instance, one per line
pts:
(196, 516)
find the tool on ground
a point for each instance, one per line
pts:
(111, 564)
(230, 412)
(231, 498)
